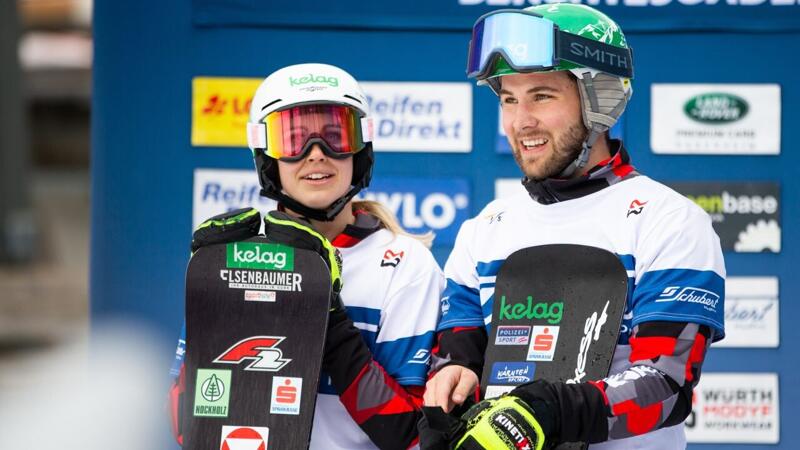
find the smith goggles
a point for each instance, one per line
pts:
(288, 134)
(528, 42)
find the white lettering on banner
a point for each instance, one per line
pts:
(436, 210)
(421, 116)
(718, 118)
(632, 3)
(220, 190)
(751, 312)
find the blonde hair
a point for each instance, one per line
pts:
(390, 222)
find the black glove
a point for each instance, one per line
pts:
(282, 228)
(439, 430)
(232, 226)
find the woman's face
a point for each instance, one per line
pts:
(316, 180)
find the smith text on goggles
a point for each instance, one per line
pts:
(528, 42)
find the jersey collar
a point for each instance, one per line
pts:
(365, 225)
(604, 174)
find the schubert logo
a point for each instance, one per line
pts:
(689, 295)
(528, 310)
(716, 107)
(250, 255)
(311, 78)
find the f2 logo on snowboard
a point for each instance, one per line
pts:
(261, 350)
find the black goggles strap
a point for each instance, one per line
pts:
(597, 55)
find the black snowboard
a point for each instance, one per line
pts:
(256, 315)
(556, 316)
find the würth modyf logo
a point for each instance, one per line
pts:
(636, 207)
(391, 258)
(261, 350)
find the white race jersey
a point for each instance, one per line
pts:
(665, 242)
(392, 287)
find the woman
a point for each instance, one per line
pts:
(310, 133)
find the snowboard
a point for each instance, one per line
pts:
(556, 316)
(256, 315)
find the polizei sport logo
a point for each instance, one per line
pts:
(252, 255)
(715, 107)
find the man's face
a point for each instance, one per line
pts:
(542, 119)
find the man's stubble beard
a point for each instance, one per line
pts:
(565, 150)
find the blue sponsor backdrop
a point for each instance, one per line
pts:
(146, 53)
(438, 205)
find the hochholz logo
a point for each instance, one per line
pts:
(212, 393)
(311, 78)
(251, 255)
(528, 310)
(716, 108)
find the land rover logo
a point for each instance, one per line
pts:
(716, 108)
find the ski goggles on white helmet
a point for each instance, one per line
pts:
(528, 42)
(289, 134)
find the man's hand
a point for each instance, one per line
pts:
(450, 387)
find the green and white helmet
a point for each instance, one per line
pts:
(569, 37)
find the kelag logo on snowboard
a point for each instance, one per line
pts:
(528, 310)
(250, 255)
(512, 372)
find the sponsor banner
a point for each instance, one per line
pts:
(740, 408)
(513, 335)
(635, 15)
(240, 438)
(751, 312)
(421, 117)
(220, 108)
(212, 393)
(497, 391)
(512, 372)
(217, 191)
(503, 147)
(285, 397)
(746, 216)
(543, 343)
(718, 119)
(422, 204)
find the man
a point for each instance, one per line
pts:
(562, 73)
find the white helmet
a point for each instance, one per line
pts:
(304, 84)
